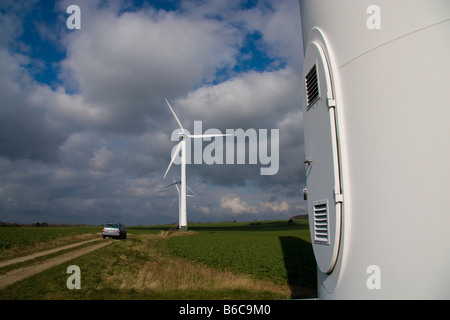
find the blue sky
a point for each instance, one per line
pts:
(84, 129)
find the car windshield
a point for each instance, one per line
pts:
(111, 225)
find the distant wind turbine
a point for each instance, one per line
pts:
(176, 183)
(181, 147)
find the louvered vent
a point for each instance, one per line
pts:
(321, 222)
(312, 86)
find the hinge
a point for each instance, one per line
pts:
(330, 101)
(338, 197)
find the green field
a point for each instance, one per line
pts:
(11, 237)
(269, 260)
(272, 250)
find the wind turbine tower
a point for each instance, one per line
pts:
(376, 78)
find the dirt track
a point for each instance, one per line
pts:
(25, 272)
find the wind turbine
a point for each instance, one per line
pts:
(181, 147)
(175, 183)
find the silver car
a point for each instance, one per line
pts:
(114, 230)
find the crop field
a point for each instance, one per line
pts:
(11, 237)
(267, 260)
(272, 250)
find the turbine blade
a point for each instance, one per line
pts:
(208, 135)
(176, 118)
(169, 185)
(173, 201)
(195, 195)
(177, 150)
(175, 183)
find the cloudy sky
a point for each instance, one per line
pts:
(85, 133)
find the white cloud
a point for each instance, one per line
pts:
(102, 158)
(126, 64)
(236, 206)
(140, 187)
(68, 111)
(282, 206)
(251, 100)
(279, 23)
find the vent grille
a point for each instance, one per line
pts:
(321, 222)
(312, 87)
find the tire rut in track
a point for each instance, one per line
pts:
(25, 272)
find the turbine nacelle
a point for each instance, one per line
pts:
(182, 135)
